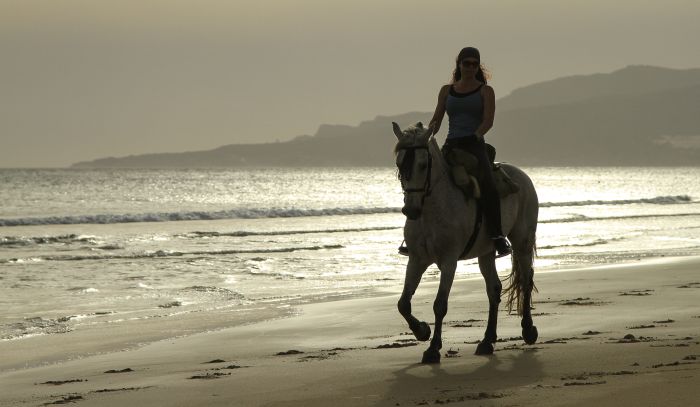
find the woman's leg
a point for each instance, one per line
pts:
(490, 201)
(489, 195)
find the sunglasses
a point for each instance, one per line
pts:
(468, 63)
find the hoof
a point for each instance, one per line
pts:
(431, 356)
(422, 333)
(484, 348)
(530, 335)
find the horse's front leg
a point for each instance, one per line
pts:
(487, 265)
(447, 275)
(414, 272)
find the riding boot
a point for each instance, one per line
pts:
(492, 210)
(502, 246)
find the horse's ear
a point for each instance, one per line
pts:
(397, 130)
(419, 125)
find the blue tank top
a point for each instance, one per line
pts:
(465, 112)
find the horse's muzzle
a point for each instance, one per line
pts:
(412, 206)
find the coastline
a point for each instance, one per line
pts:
(341, 362)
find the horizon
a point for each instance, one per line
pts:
(440, 136)
(132, 78)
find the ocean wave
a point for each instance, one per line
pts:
(583, 218)
(244, 233)
(595, 242)
(659, 200)
(165, 253)
(33, 326)
(251, 213)
(212, 290)
(17, 241)
(193, 215)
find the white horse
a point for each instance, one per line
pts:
(439, 228)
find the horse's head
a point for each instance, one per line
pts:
(414, 163)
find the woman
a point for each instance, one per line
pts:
(470, 106)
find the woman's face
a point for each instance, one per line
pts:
(469, 66)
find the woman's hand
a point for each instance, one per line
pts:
(432, 127)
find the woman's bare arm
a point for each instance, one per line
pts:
(489, 98)
(436, 121)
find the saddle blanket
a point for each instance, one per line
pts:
(465, 173)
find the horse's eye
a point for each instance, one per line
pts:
(400, 157)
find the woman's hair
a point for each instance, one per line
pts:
(481, 75)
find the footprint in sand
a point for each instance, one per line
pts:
(60, 382)
(690, 362)
(289, 352)
(66, 399)
(629, 338)
(637, 293)
(229, 367)
(127, 370)
(580, 301)
(583, 378)
(209, 376)
(469, 323)
(667, 321)
(397, 345)
(463, 398)
(584, 383)
(588, 375)
(214, 361)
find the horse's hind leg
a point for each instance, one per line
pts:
(487, 264)
(523, 260)
(447, 274)
(414, 272)
(522, 283)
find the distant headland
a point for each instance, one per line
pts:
(636, 116)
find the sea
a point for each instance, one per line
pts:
(191, 250)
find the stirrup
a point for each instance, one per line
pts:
(403, 250)
(502, 246)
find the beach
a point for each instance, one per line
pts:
(171, 234)
(278, 287)
(625, 334)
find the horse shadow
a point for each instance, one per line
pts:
(489, 381)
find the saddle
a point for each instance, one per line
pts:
(465, 172)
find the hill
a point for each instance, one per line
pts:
(635, 116)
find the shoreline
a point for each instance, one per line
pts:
(37, 350)
(341, 360)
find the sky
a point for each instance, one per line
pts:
(81, 80)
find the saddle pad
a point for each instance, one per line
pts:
(504, 184)
(464, 171)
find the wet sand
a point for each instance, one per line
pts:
(608, 335)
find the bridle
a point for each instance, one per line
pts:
(427, 186)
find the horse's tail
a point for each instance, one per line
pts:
(520, 282)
